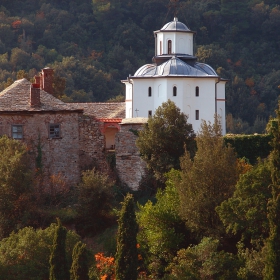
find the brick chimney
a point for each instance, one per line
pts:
(35, 95)
(37, 80)
(46, 80)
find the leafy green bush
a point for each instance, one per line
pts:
(94, 209)
(25, 255)
(250, 146)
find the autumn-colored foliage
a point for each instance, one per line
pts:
(243, 166)
(105, 266)
(16, 24)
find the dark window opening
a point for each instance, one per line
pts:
(197, 115)
(149, 114)
(17, 131)
(169, 44)
(54, 130)
(150, 91)
(196, 91)
(174, 91)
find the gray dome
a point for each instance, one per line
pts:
(146, 70)
(175, 25)
(205, 68)
(175, 67)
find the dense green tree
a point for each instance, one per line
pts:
(59, 269)
(245, 213)
(272, 249)
(204, 261)
(79, 268)
(15, 186)
(126, 255)
(95, 196)
(207, 180)
(25, 254)
(164, 139)
(162, 231)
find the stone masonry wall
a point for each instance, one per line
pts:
(130, 167)
(92, 144)
(59, 156)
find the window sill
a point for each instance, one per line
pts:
(54, 138)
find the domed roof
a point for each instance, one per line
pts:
(175, 25)
(175, 67)
(205, 68)
(146, 70)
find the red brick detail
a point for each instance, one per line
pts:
(35, 95)
(47, 80)
(37, 80)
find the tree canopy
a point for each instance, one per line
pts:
(164, 139)
(93, 44)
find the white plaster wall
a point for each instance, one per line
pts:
(142, 102)
(221, 104)
(162, 90)
(128, 99)
(181, 42)
(159, 39)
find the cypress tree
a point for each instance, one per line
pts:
(79, 268)
(126, 256)
(58, 263)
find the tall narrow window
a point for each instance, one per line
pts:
(196, 91)
(17, 131)
(174, 91)
(169, 45)
(150, 91)
(160, 47)
(197, 115)
(54, 130)
(149, 114)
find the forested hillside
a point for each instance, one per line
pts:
(93, 44)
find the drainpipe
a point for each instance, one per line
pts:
(128, 79)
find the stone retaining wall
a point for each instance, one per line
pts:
(130, 167)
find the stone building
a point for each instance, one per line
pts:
(71, 136)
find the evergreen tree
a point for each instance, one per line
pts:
(79, 268)
(126, 256)
(206, 181)
(58, 263)
(272, 261)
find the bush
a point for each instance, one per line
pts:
(94, 210)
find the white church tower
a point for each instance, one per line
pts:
(176, 75)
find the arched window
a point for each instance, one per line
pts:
(197, 115)
(169, 46)
(150, 91)
(196, 91)
(174, 91)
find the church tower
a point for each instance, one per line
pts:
(175, 74)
